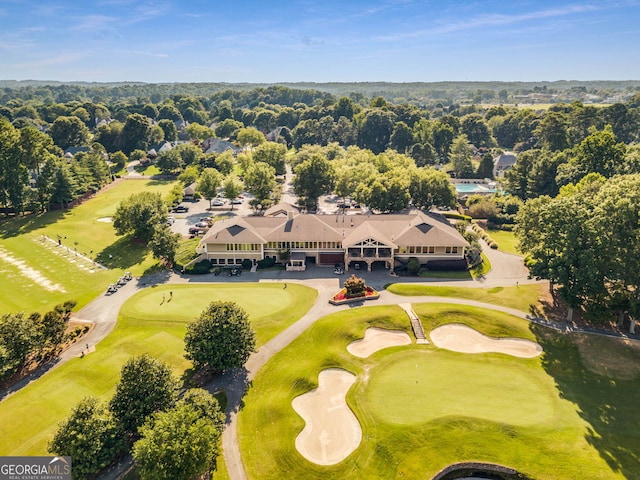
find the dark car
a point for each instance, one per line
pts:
(180, 209)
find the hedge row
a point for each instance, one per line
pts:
(485, 236)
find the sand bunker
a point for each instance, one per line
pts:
(105, 219)
(332, 432)
(463, 339)
(376, 339)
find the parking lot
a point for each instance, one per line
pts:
(200, 209)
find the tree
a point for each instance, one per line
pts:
(485, 168)
(181, 443)
(221, 338)
(91, 436)
(552, 132)
(260, 181)
(231, 188)
(118, 159)
(314, 177)
(272, 154)
(228, 128)
(164, 244)
(69, 132)
(401, 138)
(170, 161)
(208, 183)
(146, 386)
(429, 187)
(460, 157)
(199, 132)
(169, 129)
(376, 129)
(476, 130)
(250, 137)
(136, 133)
(139, 214)
(597, 153)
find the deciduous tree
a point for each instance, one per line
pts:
(221, 338)
(139, 214)
(146, 386)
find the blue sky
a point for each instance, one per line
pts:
(319, 40)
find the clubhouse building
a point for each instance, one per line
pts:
(295, 239)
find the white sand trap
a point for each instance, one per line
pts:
(332, 432)
(105, 219)
(464, 339)
(376, 339)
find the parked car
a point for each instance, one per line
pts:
(180, 209)
(217, 202)
(195, 231)
(236, 201)
(202, 225)
(171, 221)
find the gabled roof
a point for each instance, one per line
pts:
(232, 230)
(415, 228)
(364, 232)
(282, 208)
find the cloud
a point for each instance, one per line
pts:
(94, 23)
(149, 54)
(492, 20)
(312, 42)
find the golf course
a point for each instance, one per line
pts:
(564, 409)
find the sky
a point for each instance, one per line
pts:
(268, 41)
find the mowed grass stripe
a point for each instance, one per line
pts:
(78, 228)
(28, 418)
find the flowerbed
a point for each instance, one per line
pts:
(341, 297)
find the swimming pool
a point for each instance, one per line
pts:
(474, 188)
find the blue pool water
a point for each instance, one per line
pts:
(473, 188)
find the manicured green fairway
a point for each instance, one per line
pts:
(444, 385)
(78, 229)
(521, 297)
(29, 417)
(536, 415)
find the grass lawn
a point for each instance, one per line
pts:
(507, 241)
(29, 418)
(521, 297)
(422, 408)
(482, 269)
(79, 229)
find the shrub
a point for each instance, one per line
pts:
(413, 266)
(200, 268)
(355, 286)
(247, 264)
(266, 263)
(456, 216)
(493, 245)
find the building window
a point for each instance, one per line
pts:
(451, 250)
(214, 261)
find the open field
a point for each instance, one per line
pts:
(79, 230)
(422, 408)
(29, 417)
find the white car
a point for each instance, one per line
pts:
(236, 201)
(170, 221)
(217, 202)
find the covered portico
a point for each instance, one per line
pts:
(366, 244)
